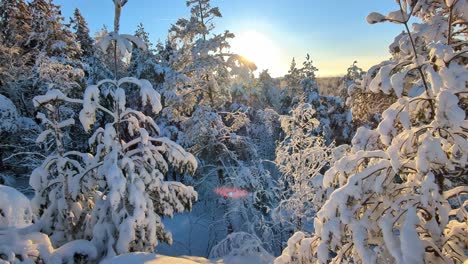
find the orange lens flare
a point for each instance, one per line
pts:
(231, 192)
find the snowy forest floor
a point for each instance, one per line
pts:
(161, 259)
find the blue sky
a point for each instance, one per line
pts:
(333, 32)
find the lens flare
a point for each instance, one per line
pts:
(231, 192)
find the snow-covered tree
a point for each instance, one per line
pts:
(80, 26)
(49, 34)
(267, 91)
(301, 87)
(92, 59)
(116, 195)
(20, 242)
(239, 244)
(8, 115)
(293, 78)
(202, 57)
(353, 74)
(300, 83)
(228, 159)
(301, 157)
(15, 18)
(63, 196)
(144, 63)
(18, 151)
(399, 195)
(131, 160)
(15, 57)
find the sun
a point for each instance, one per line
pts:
(257, 48)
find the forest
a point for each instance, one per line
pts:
(114, 149)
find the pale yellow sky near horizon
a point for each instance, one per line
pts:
(267, 54)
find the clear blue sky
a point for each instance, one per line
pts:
(333, 32)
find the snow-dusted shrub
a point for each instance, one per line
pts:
(402, 198)
(238, 244)
(298, 250)
(366, 107)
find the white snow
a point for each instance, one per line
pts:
(8, 114)
(375, 17)
(124, 43)
(15, 208)
(146, 258)
(412, 247)
(49, 96)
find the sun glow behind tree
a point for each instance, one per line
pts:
(258, 48)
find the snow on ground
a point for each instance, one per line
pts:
(145, 258)
(15, 209)
(190, 234)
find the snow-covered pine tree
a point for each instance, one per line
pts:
(20, 242)
(49, 34)
(80, 26)
(335, 119)
(267, 91)
(8, 115)
(130, 160)
(200, 52)
(353, 74)
(293, 78)
(19, 151)
(202, 57)
(116, 196)
(56, 52)
(144, 64)
(114, 59)
(63, 190)
(91, 58)
(15, 19)
(399, 195)
(300, 84)
(15, 58)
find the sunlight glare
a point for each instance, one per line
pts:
(257, 48)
